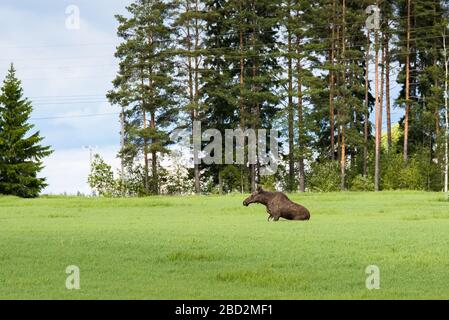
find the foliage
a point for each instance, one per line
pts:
(361, 183)
(144, 86)
(175, 180)
(324, 176)
(230, 177)
(101, 178)
(20, 151)
(299, 66)
(397, 176)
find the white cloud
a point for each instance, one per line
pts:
(67, 170)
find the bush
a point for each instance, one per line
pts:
(361, 183)
(324, 176)
(397, 176)
(231, 177)
(101, 178)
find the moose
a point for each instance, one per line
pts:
(278, 205)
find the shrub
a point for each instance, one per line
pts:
(324, 176)
(361, 183)
(396, 175)
(101, 178)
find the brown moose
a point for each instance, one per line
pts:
(278, 205)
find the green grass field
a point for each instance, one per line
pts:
(214, 248)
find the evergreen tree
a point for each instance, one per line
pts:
(254, 28)
(241, 68)
(297, 65)
(145, 84)
(220, 96)
(189, 25)
(20, 152)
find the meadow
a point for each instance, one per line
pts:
(214, 248)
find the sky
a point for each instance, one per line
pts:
(66, 69)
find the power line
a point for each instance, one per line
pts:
(67, 96)
(394, 32)
(55, 58)
(59, 45)
(45, 103)
(76, 116)
(68, 67)
(69, 78)
(323, 27)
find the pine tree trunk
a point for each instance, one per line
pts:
(145, 144)
(366, 118)
(387, 90)
(446, 144)
(256, 105)
(338, 81)
(446, 118)
(154, 171)
(302, 181)
(382, 92)
(377, 108)
(220, 183)
(191, 72)
(241, 102)
(155, 174)
(291, 159)
(331, 84)
(343, 145)
(122, 148)
(407, 84)
(196, 95)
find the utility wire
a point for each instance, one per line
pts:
(76, 116)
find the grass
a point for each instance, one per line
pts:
(214, 248)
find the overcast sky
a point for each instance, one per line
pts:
(66, 72)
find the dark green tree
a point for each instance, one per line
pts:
(189, 24)
(20, 152)
(145, 85)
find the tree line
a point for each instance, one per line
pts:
(312, 69)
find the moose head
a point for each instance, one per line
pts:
(255, 197)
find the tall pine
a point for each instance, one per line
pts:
(145, 85)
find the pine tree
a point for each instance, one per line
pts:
(241, 67)
(20, 152)
(256, 24)
(219, 93)
(190, 25)
(145, 84)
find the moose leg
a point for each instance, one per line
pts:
(269, 215)
(276, 216)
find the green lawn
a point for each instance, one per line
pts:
(214, 248)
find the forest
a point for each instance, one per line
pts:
(357, 90)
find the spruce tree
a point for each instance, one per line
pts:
(20, 153)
